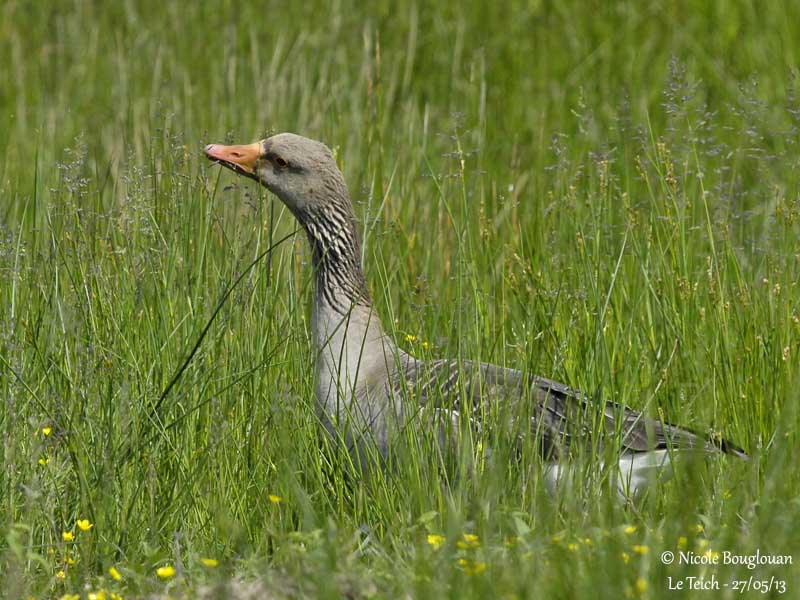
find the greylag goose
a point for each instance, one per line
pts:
(367, 387)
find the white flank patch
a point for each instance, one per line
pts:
(635, 473)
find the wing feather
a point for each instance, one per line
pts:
(561, 416)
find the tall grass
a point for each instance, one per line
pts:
(608, 197)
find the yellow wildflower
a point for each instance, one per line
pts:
(625, 557)
(641, 585)
(115, 575)
(84, 524)
(411, 338)
(478, 568)
(67, 536)
(71, 597)
(699, 528)
(44, 461)
(60, 574)
(702, 543)
(209, 562)
(639, 549)
(274, 499)
(166, 571)
(470, 567)
(99, 595)
(682, 542)
(47, 430)
(468, 540)
(436, 541)
(69, 560)
(572, 547)
(425, 345)
(629, 529)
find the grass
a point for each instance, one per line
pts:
(608, 197)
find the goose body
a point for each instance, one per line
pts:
(367, 387)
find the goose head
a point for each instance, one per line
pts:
(300, 171)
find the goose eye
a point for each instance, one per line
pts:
(281, 162)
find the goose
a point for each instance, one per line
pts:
(367, 388)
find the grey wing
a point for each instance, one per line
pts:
(564, 406)
(560, 417)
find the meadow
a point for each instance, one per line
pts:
(607, 194)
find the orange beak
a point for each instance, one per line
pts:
(241, 159)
